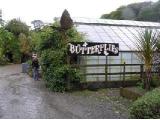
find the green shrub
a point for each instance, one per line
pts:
(55, 70)
(3, 61)
(53, 58)
(148, 106)
(155, 83)
(55, 77)
(29, 62)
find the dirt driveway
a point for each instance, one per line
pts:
(21, 97)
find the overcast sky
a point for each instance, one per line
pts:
(46, 10)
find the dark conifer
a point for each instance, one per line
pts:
(66, 21)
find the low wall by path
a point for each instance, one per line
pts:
(132, 93)
(109, 84)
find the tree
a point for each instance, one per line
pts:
(38, 24)
(24, 44)
(8, 45)
(46, 39)
(66, 21)
(150, 13)
(54, 56)
(35, 39)
(144, 11)
(138, 7)
(128, 14)
(114, 14)
(16, 26)
(146, 46)
(21, 42)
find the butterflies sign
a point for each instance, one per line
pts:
(94, 49)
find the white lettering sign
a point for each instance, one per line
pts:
(94, 48)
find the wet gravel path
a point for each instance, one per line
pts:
(21, 97)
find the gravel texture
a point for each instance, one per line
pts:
(21, 97)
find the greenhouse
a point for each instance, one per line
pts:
(112, 31)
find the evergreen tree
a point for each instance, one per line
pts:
(66, 21)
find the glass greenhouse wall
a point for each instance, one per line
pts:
(123, 32)
(127, 57)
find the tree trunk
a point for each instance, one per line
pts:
(148, 79)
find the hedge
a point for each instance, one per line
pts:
(147, 106)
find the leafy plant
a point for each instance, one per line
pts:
(66, 21)
(16, 26)
(55, 70)
(8, 45)
(143, 11)
(146, 46)
(53, 49)
(147, 106)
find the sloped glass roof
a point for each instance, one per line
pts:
(116, 22)
(114, 31)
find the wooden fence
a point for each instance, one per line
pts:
(124, 73)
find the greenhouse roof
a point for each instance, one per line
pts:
(123, 32)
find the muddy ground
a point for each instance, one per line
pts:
(22, 97)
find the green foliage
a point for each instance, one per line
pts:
(146, 44)
(56, 77)
(43, 39)
(51, 39)
(30, 72)
(3, 59)
(16, 26)
(147, 106)
(143, 11)
(147, 14)
(35, 38)
(14, 41)
(53, 50)
(155, 82)
(7, 44)
(150, 13)
(6, 40)
(140, 85)
(74, 35)
(29, 62)
(66, 21)
(114, 14)
(50, 56)
(24, 44)
(55, 70)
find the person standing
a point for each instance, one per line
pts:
(35, 67)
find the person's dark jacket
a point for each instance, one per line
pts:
(35, 64)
